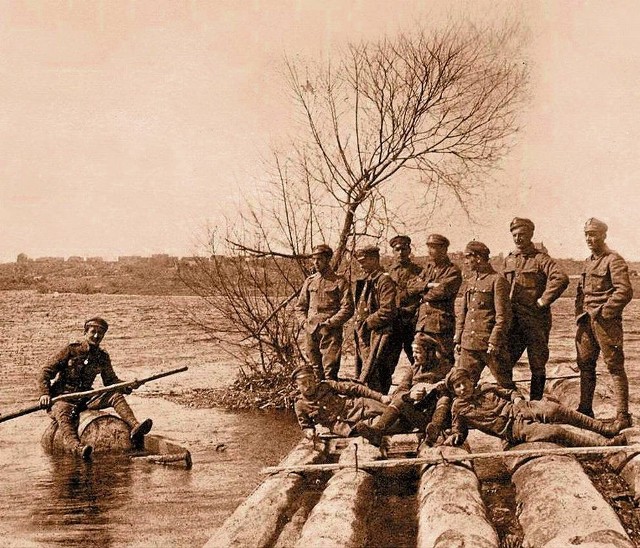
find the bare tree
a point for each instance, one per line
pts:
(435, 108)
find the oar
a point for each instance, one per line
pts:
(88, 393)
(443, 459)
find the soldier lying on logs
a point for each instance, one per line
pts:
(351, 409)
(504, 413)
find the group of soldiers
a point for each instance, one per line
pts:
(411, 308)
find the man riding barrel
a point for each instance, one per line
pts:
(73, 369)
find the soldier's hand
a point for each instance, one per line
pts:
(453, 440)
(385, 399)
(540, 304)
(45, 401)
(309, 433)
(418, 392)
(492, 349)
(457, 348)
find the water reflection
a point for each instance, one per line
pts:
(76, 500)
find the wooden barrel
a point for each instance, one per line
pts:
(107, 433)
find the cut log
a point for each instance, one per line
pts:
(339, 519)
(257, 521)
(450, 508)
(561, 507)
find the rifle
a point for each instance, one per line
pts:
(95, 392)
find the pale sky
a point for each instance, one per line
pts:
(127, 127)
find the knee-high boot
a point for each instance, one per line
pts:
(69, 432)
(438, 420)
(587, 390)
(537, 386)
(621, 394)
(575, 418)
(138, 429)
(375, 432)
(576, 438)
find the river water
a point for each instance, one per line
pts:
(47, 501)
(62, 501)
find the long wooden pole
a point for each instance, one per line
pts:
(90, 393)
(442, 459)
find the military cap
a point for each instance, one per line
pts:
(367, 251)
(302, 371)
(519, 222)
(454, 375)
(96, 322)
(437, 239)
(404, 241)
(322, 249)
(477, 248)
(595, 225)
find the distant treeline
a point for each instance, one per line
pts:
(160, 274)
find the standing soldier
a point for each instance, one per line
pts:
(403, 271)
(375, 308)
(438, 286)
(484, 318)
(536, 282)
(324, 305)
(603, 292)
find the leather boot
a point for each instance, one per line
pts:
(620, 439)
(375, 432)
(587, 390)
(138, 429)
(373, 435)
(537, 387)
(623, 420)
(621, 392)
(438, 420)
(577, 438)
(575, 418)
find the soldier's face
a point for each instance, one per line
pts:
(94, 335)
(473, 262)
(320, 262)
(436, 251)
(307, 385)
(463, 388)
(369, 263)
(402, 252)
(595, 239)
(522, 236)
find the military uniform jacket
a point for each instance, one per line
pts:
(604, 288)
(402, 274)
(324, 298)
(336, 405)
(74, 369)
(437, 311)
(489, 410)
(375, 298)
(485, 314)
(533, 275)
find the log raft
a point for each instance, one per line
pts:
(556, 503)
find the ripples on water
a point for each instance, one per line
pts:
(63, 501)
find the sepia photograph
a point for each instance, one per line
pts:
(319, 273)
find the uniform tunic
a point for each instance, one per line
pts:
(375, 312)
(338, 405)
(324, 298)
(75, 368)
(603, 292)
(436, 314)
(532, 276)
(506, 414)
(484, 319)
(407, 306)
